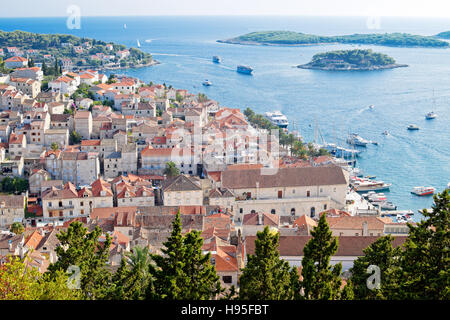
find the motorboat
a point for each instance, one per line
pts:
(431, 115)
(244, 69)
(413, 127)
(385, 133)
(364, 185)
(277, 119)
(138, 43)
(423, 191)
(388, 206)
(217, 59)
(341, 152)
(377, 197)
(207, 83)
(371, 107)
(356, 140)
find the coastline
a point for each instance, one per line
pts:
(153, 63)
(372, 68)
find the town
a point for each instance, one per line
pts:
(126, 156)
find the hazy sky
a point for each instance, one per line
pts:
(47, 8)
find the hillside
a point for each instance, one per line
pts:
(295, 38)
(83, 52)
(345, 60)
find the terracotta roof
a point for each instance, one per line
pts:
(181, 183)
(268, 219)
(86, 143)
(355, 222)
(284, 177)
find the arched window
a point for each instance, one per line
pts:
(253, 211)
(293, 211)
(273, 211)
(313, 212)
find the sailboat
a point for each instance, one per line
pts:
(125, 26)
(431, 115)
(138, 43)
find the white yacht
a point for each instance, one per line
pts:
(356, 140)
(277, 119)
(431, 115)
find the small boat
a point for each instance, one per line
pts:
(377, 198)
(371, 177)
(138, 43)
(217, 59)
(125, 26)
(385, 133)
(244, 69)
(371, 107)
(207, 83)
(388, 206)
(356, 140)
(277, 119)
(423, 191)
(401, 219)
(413, 127)
(431, 115)
(374, 143)
(448, 186)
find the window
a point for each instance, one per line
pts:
(313, 212)
(324, 207)
(273, 211)
(227, 279)
(308, 193)
(82, 211)
(293, 211)
(240, 210)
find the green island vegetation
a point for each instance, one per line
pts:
(416, 270)
(296, 146)
(83, 52)
(444, 35)
(297, 38)
(356, 59)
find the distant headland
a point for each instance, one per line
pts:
(348, 60)
(291, 38)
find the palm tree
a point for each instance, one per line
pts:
(139, 278)
(139, 260)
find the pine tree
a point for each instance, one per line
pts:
(381, 254)
(320, 280)
(266, 276)
(82, 249)
(424, 271)
(44, 69)
(170, 279)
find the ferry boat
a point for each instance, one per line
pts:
(244, 69)
(207, 83)
(413, 127)
(217, 59)
(364, 185)
(423, 191)
(356, 140)
(277, 119)
(431, 115)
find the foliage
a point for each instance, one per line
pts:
(19, 282)
(381, 254)
(266, 276)
(17, 228)
(75, 138)
(83, 249)
(183, 271)
(171, 169)
(351, 58)
(386, 39)
(320, 280)
(14, 185)
(54, 146)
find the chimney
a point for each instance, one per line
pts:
(365, 226)
(260, 219)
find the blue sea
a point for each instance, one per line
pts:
(337, 102)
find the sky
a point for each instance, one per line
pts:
(59, 8)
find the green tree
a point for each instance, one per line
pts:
(266, 276)
(382, 254)
(30, 63)
(424, 271)
(75, 138)
(83, 249)
(171, 169)
(54, 146)
(320, 280)
(17, 228)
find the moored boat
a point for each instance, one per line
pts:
(207, 83)
(423, 191)
(364, 185)
(217, 59)
(412, 127)
(277, 119)
(356, 140)
(431, 115)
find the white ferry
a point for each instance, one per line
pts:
(277, 119)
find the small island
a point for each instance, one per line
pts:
(290, 38)
(351, 60)
(444, 35)
(73, 52)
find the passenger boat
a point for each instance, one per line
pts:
(413, 127)
(277, 119)
(207, 83)
(356, 140)
(431, 115)
(244, 69)
(423, 191)
(217, 59)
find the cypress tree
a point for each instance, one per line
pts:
(266, 276)
(320, 280)
(381, 254)
(81, 248)
(424, 271)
